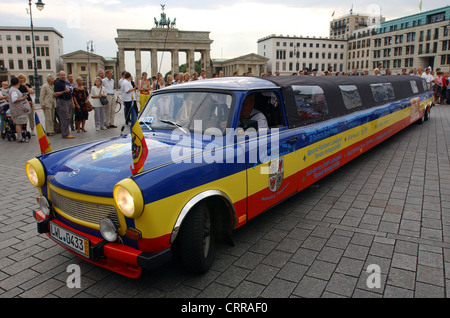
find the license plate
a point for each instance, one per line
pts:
(71, 240)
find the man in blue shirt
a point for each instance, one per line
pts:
(64, 103)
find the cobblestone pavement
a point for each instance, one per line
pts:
(390, 207)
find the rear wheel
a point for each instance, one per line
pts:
(197, 241)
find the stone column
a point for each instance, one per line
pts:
(121, 58)
(175, 62)
(137, 60)
(154, 62)
(190, 61)
(206, 62)
(75, 71)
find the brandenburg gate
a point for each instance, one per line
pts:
(164, 37)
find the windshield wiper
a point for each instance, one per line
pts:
(174, 124)
(146, 123)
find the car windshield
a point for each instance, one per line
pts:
(188, 111)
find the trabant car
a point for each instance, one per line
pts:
(220, 153)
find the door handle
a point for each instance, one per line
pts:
(293, 140)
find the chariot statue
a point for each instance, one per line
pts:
(164, 21)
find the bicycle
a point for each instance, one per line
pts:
(119, 104)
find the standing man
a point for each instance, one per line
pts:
(48, 104)
(108, 84)
(428, 77)
(72, 112)
(64, 103)
(101, 74)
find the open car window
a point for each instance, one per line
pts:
(187, 110)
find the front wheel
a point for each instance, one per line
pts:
(197, 242)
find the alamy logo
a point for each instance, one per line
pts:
(235, 146)
(74, 279)
(374, 279)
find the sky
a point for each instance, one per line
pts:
(235, 26)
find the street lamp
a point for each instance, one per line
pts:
(40, 5)
(89, 63)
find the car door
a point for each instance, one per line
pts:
(272, 166)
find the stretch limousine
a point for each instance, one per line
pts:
(220, 152)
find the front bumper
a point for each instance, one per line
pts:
(116, 257)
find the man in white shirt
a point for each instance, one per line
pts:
(428, 77)
(128, 96)
(248, 112)
(108, 84)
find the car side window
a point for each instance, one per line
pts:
(268, 103)
(414, 87)
(382, 92)
(351, 97)
(311, 102)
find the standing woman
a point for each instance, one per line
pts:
(19, 108)
(80, 99)
(25, 88)
(439, 87)
(144, 89)
(97, 92)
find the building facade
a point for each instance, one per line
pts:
(16, 52)
(252, 63)
(416, 41)
(87, 65)
(290, 54)
(365, 42)
(343, 27)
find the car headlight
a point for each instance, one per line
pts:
(44, 205)
(129, 198)
(35, 172)
(108, 230)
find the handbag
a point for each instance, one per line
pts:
(89, 106)
(103, 100)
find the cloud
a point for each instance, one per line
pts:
(235, 25)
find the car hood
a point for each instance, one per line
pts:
(96, 168)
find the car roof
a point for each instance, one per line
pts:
(235, 83)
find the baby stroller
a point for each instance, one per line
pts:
(7, 125)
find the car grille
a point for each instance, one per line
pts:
(85, 211)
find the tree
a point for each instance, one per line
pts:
(182, 68)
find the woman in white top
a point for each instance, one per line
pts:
(97, 92)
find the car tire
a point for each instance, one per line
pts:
(197, 241)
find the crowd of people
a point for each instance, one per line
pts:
(437, 80)
(67, 103)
